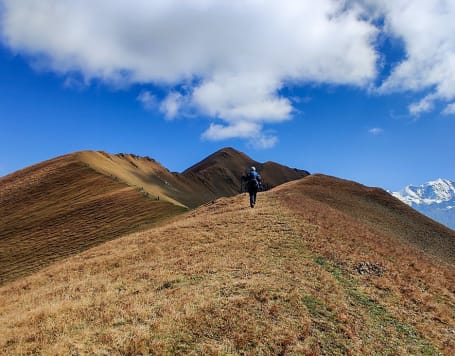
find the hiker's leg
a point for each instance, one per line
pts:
(252, 200)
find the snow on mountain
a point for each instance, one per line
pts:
(434, 192)
(435, 199)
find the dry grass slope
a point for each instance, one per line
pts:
(377, 209)
(229, 280)
(66, 205)
(61, 207)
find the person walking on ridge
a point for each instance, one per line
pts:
(254, 182)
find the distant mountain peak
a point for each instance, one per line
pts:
(225, 156)
(433, 192)
(229, 150)
(435, 199)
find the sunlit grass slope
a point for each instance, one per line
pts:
(142, 172)
(61, 207)
(65, 205)
(282, 278)
(378, 210)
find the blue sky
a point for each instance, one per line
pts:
(357, 91)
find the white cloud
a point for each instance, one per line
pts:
(449, 109)
(376, 131)
(172, 104)
(147, 99)
(241, 129)
(422, 106)
(236, 54)
(263, 141)
(427, 29)
(246, 96)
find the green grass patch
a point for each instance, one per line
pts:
(316, 307)
(336, 271)
(382, 320)
(332, 340)
(381, 323)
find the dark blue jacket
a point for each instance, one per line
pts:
(254, 180)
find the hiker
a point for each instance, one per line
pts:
(254, 182)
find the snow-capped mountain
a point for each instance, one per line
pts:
(435, 199)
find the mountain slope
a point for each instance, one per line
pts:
(221, 173)
(68, 204)
(215, 176)
(435, 199)
(377, 209)
(142, 172)
(287, 277)
(61, 207)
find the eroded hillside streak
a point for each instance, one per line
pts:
(61, 207)
(225, 278)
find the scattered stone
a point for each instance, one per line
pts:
(370, 269)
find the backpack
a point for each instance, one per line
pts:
(252, 178)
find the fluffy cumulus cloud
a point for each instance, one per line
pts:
(172, 104)
(234, 57)
(427, 29)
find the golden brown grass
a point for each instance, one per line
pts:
(137, 171)
(62, 207)
(66, 205)
(226, 279)
(378, 210)
(356, 224)
(215, 176)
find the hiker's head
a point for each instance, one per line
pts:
(253, 168)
